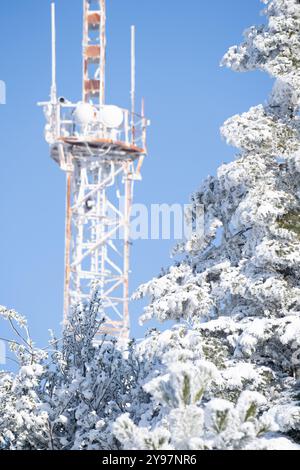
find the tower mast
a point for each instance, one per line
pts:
(101, 148)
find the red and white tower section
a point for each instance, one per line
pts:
(101, 148)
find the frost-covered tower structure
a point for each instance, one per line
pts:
(101, 149)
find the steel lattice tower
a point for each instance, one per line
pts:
(101, 148)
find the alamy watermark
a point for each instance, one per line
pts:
(2, 92)
(175, 222)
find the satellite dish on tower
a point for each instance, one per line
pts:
(111, 116)
(84, 113)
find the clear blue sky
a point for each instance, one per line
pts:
(188, 97)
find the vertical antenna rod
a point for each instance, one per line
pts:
(133, 72)
(53, 29)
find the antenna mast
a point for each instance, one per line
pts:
(132, 80)
(53, 32)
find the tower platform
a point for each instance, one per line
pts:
(86, 129)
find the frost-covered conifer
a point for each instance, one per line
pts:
(161, 394)
(238, 285)
(65, 397)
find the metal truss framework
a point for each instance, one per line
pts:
(99, 196)
(101, 162)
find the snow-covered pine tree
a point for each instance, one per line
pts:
(186, 410)
(68, 395)
(238, 286)
(80, 395)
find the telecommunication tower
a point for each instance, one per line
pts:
(101, 148)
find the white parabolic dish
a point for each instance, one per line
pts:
(84, 113)
(111, 116)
